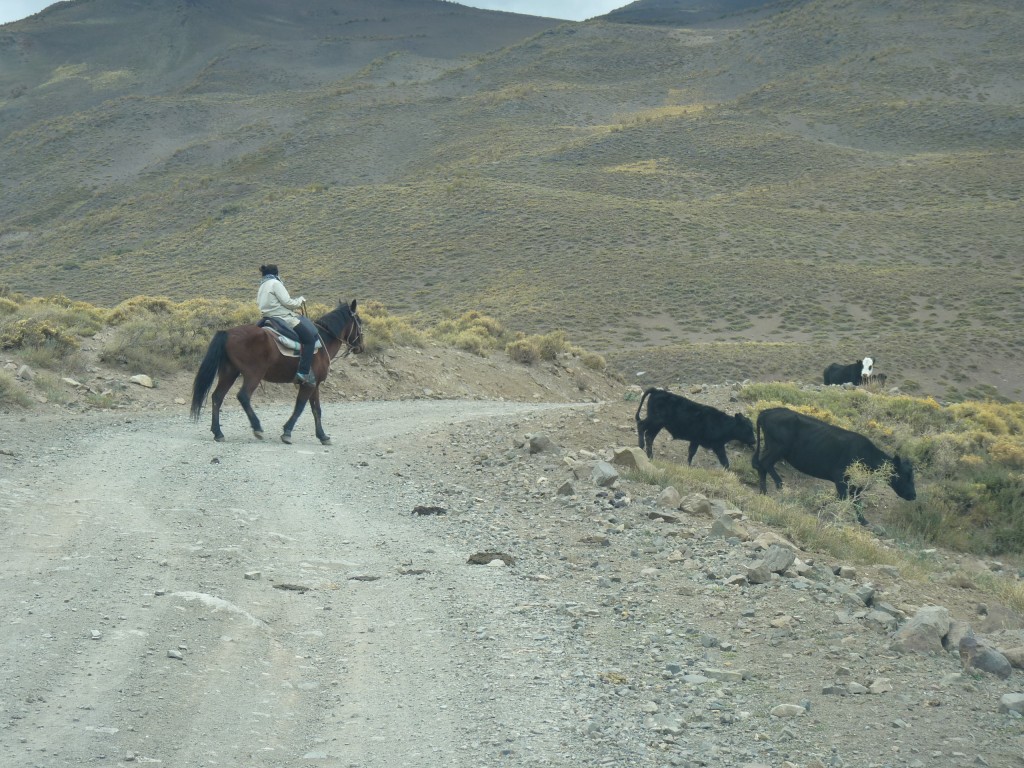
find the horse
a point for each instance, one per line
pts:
(249, 351)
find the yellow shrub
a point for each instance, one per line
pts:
(1008, 452)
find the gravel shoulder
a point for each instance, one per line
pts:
(176, 601)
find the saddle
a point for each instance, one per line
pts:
(286, 338)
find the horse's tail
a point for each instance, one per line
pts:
(208, 371)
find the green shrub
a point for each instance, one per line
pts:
(525, 350)
(12, 395)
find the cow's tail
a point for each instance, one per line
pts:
(641, 406)
(640, 424)
(755, 460)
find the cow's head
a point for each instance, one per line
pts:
(902, 480)
(744, 430)
(867, 367)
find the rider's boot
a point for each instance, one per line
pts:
(305, 376)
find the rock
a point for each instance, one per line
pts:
(1015, 656)
(566, 489)
(788, 710)
(486, 558)
(988, 659)
(542, 444)
(727, 528)
(142, 380)
(669, 497)
(881, 685)
(696, 504)
(778, 558)
(603, 474)
(924, 632)
(632, 458)
(768, 539)
(1012, 702)
(25, 373)
(759, 573)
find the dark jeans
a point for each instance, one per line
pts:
(307, 334)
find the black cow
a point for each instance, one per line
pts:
(855, 373)
(823, 451)
(702, 425)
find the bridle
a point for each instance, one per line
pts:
(351, 340)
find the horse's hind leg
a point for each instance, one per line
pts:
(314, 406)
(249, 384)
(300, 405)
(225, 380)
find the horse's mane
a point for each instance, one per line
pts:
(335, 320)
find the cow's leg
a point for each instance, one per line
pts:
(764, 463)
(649, 435)
(723, 459)
(692, 452)
(846, 491)
(641, 427)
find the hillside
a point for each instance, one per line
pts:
(752, 197)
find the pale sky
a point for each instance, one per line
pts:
(576, 10)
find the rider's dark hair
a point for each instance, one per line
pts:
(268, 269)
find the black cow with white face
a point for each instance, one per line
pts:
(854, 373)
(822, 450)
(702, 425)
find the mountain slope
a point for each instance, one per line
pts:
(757, 197)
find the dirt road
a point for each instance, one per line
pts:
(171, 600)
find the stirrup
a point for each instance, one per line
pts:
(307, 379)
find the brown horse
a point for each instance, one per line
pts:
(251, 352)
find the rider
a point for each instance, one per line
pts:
(274, 301)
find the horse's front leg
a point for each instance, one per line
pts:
(314, 406)
(245, 398)
(300, 404)
(224, 381)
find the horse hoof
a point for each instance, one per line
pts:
(258, 434)
(219, 438)
(286, 438)
(325, 441)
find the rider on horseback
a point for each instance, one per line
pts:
(274, 301)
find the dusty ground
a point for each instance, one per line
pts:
(181, 602)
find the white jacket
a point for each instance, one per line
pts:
(274, 301)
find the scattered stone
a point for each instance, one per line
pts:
(421, 509)
(253, 575)
(566, 489)
(1012, 702)
(788, 710)
(292, 587)
(727, 528)
(542, 444)
(924, 632)
(881, 685)
(485, 558)
(603, 474)
(669, 497)
(696, 504)
(142, 380)
(632, 458)
(988, 659)
(172, 654)
(778, 558)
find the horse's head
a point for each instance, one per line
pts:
(344, 325)
(354, 332)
